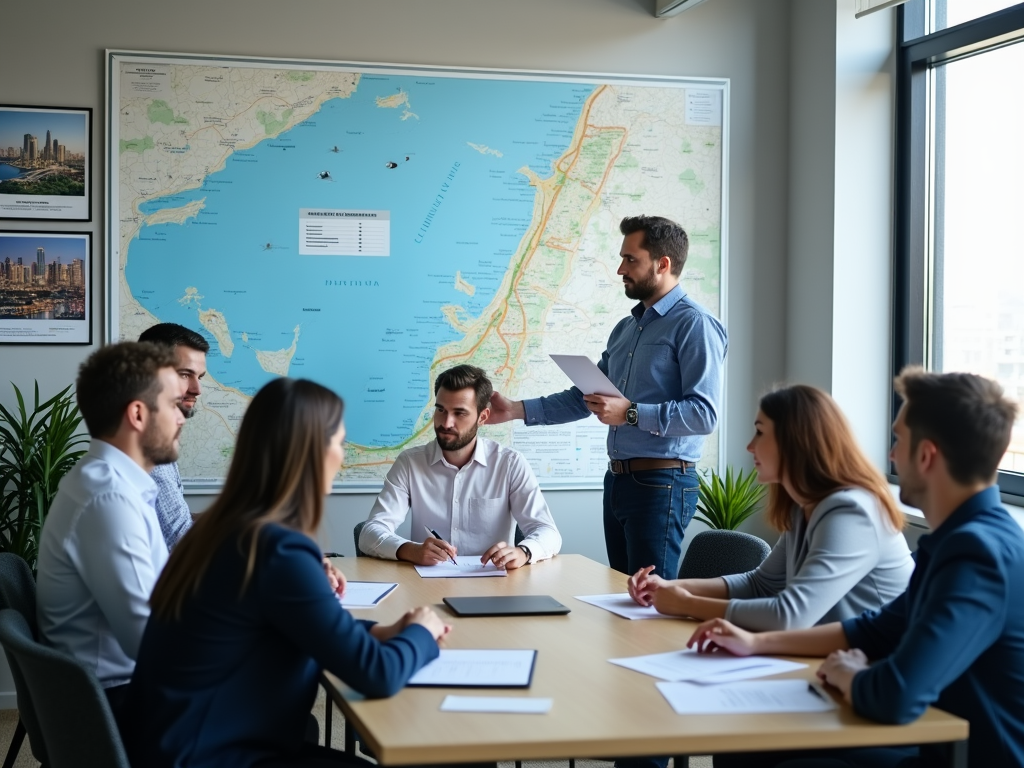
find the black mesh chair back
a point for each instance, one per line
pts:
(77, 725)
(355, 534)
(721, 553)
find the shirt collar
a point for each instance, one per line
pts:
(662, 305)
(125, 466)
(986, 499)
(434, 454)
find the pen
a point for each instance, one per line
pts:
(816, 692)
(333, 554)
(437, 535)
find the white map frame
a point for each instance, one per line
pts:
(114, 278)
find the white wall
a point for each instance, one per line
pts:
(745, 40)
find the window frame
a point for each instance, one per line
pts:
(917, 53)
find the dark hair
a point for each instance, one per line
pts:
(464, 377)
(967, 417)
(116, 375)
(276, 476)
(818, 454)
(174, 334)
(662, 237)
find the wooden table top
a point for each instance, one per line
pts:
(599, 709)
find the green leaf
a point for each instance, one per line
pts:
(726, 503)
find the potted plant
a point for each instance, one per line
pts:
(37, 449)
(724, 504)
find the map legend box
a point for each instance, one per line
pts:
(326, 232)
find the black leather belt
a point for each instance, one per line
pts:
(639, 465)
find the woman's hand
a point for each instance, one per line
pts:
(720, 634)
(643, 584)
(334, 577)
(423, 616)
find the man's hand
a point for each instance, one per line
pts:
(609, 410)
(503, 409)
(841, 667)
(643, 584)
(423, 615)
(334, 577)
(430, 552)
(719, 633)
(504, 556)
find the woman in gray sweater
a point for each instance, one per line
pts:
(841, 551)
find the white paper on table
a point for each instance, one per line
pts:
(496, 704)
(457, 668)
(464, 570)
(365, 594)
(676, 666)
(585, 374)
(621, 604)
(762, 696)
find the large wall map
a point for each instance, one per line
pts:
(368, 226)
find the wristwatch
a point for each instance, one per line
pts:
(632, 415)
(529, 554)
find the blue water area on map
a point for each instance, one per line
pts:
(370, 326)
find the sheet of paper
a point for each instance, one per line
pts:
(456, 668)
(675, 666)
(763, 696)
(466, 569)
(496, 704)
(585, 374)
(365, 594)
(621, 604)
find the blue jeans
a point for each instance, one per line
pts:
(645, 517)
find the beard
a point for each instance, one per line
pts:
(643, 289)
(457, 441)
(157, 448)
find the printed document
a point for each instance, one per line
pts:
(365, 594)
(467, 569)
(675, 666)
(456, 668)
(496, 704)
(763, 696)
(621, 604)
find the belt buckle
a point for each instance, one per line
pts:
(616, 467)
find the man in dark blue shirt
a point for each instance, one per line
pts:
(955, 638)
(666, 358)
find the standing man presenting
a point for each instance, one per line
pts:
(666, 358)
(190, 353)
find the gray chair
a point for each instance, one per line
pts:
(75, 718)
(18, 591)
(355, 534)
(721, 553)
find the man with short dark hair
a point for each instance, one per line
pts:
(666, 358)
(190, 350)
(955, 638)
(470, 490)
(101, 550)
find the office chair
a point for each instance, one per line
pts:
(721, 553)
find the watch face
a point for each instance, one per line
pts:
(631, 416)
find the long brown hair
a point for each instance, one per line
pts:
(276, 476)
(818, 454)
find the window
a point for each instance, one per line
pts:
(959, 282)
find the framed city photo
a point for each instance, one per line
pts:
(45, 289)
(45, 159)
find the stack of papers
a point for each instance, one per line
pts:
(464, 570)
(763, 696)
(365, 594)
(621, 604)
(689, 665)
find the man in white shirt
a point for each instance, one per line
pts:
(101, 549)
(469, 490)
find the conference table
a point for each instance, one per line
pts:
(599, 709)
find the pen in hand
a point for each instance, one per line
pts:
(436, 535)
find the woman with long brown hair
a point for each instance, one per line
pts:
(243, 619)
(841, 549)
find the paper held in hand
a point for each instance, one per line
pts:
(585, 374)
(689, 665)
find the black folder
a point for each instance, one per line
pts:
(506, 605)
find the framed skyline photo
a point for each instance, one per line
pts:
(45, 163)
(45, 287)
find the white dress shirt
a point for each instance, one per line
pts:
(472, 508)
(100, 554)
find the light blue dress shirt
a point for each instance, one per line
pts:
(668, 359)
(171, 508)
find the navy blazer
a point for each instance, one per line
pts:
(955, 638)
(232, 682)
